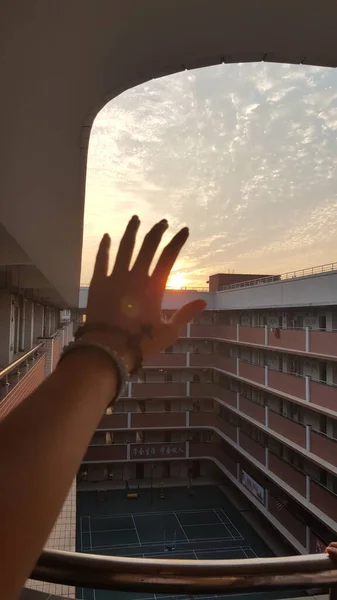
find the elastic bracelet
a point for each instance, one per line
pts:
(119, 366)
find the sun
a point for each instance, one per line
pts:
(176, 281)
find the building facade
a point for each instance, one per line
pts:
(247, 395)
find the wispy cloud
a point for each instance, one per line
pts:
(243, 154)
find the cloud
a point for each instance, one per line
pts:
(243, 154)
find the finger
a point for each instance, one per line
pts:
(188, 312)
(149, 248)
(168, 258)
(102, 258)
(126, 246)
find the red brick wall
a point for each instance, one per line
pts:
(27, 384)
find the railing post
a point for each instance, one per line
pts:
(266, 340)
(237, 332)
(266, 457)
(266, 499)
(127, 451)
(266, 416)
(130, 389)
(307, 438)
(237, 400)
(266, 382)
(307, 487)
(188, 388)
(187, 449)
(238, 366)
(307, 339)
(307, 388)
(188, 330)
(187, 423)
(188, 359)
(129, 420)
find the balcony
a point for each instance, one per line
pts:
(288, 428)
(323, 499)
(114, 421)
(252, 372)
(204, 419)
(254, 449)
(289, 474)
(293, 385)
(323, 342)
(160, 390)
(167, 360)
(21, 378)
(252, 335)
(216, 331)
(158, 420)
(252, 409)
(291, 339)
(324, 447)
(306, 341)
(323, 394)
(203, 389)
(106, 453)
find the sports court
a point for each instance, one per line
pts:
(204, 525)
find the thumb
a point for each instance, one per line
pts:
(187, 312)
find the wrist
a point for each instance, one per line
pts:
(115, 342)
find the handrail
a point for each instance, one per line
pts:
(184, 576)
(19, 360)
(326, 268)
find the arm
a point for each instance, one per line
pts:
(42, 442)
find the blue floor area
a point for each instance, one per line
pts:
(204, 525)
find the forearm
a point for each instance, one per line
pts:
(44, 441)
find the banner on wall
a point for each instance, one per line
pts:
(252, 486)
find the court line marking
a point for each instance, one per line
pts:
(135, 526)
(160, 541)
(230, 522)
(90, 536)
(181, 527)
(150, 514)
(202, 524)
(106, 530)
(81, 534)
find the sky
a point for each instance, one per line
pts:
(243, 154)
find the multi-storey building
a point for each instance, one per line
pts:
(247, 393)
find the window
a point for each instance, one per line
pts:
(168, 377)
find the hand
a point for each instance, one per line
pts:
(332, 550)
(131, 298)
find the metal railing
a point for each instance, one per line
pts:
(186, 576)
(327, 268)
(11, 374)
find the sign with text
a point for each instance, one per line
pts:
(145, 451)
(252, 486)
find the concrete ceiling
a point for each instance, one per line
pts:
(61, 61)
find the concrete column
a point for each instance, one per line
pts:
(266, 416)
(129, 420)
(266, 339)
(238, 366)
(266, 379)
(188, 359)
(307, 339)
(238, 471)
(187, 423)
(266, 499)
(307, 438)
(22, 325)
(237, 400)
(5, 327)
(237, 332)
(238, 436)
(266, 457)
(307, 389)
(188, 388)
(307, 487)
(187, 449)
(38, 321)
(29, 325)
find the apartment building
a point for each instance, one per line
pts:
(247, 395)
